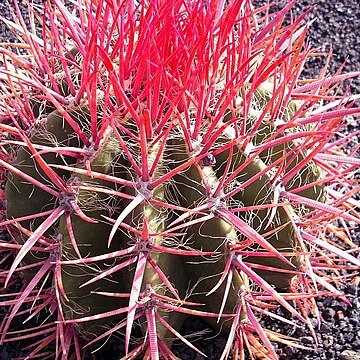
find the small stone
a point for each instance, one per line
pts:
(328, 342)
(308, 340)
(325, 328)
(349, 335)
(328, 314)
(341, 339)
(340, 315)
(338, 347)
(349, 355)
(343, 325)
(356, 343)
(290, 351)
(330, 354)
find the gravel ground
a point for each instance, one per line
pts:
(337, 25)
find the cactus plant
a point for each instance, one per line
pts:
(166, 159)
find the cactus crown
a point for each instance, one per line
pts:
(166, 159)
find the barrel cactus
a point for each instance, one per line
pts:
(165, 159)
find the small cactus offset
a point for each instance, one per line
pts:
(161, 159)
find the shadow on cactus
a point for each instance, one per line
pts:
(166, 159)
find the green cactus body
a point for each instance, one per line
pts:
(156, 219)
(91, 240)
(27, 199)
(197, 274)
(279, 232)
(309, 173)
(211, 235)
